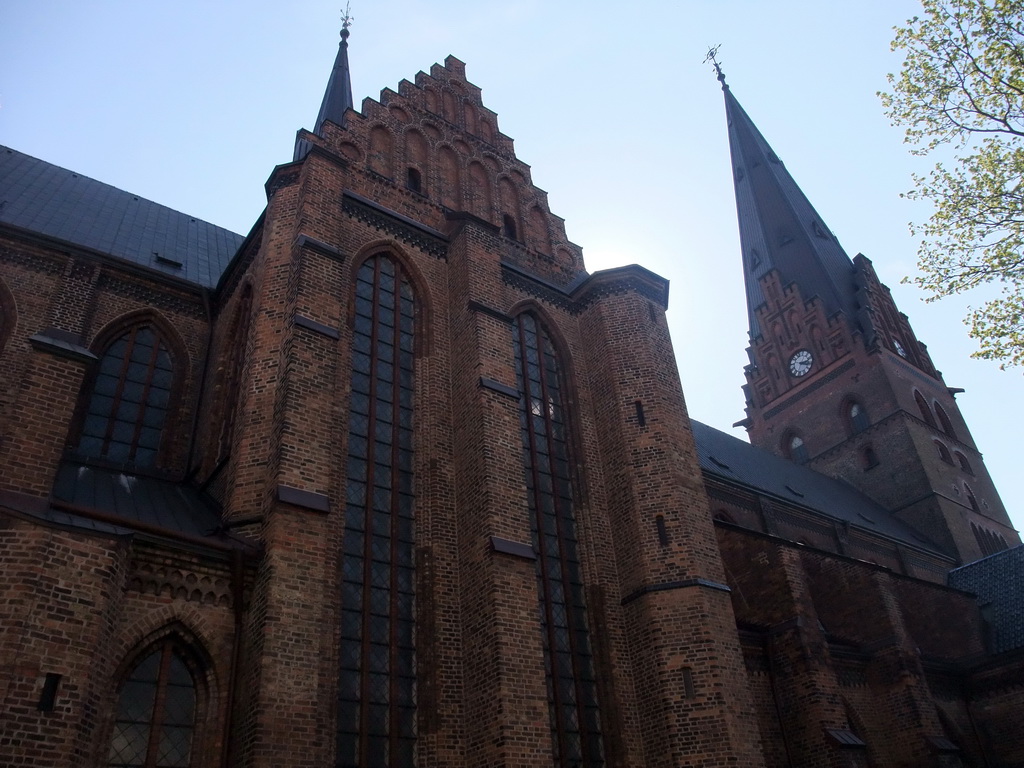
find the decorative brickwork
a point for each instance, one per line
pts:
(425, 492)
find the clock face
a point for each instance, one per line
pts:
(800, 363)
(899, 348)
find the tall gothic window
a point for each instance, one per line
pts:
(130, 398)
(156, 709)
(377, 667)
(569, 668)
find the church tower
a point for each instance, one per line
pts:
(837, 378)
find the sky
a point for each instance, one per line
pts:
(192, 104)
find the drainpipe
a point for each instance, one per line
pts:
(974, 725)
(202, 382)
(773, 682)
(237, 590)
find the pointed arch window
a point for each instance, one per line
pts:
(856, 417)
(508, 227)
(377, 655)
(156, 713)
(944, 421)
(971, 498)
(922, 406)
(130, 398)
(944, 453)
(794, 448)
(964, 464)
(989, 542)
(569, 668)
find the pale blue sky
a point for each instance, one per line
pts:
(191, 104)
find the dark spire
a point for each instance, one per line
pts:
(338, 96)
(779, 228)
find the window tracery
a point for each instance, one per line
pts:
(569, 669)
(156, 712)
(129, 398)
(377, 655)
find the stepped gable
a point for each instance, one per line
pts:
(432, 149)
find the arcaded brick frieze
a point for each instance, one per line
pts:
(78, 617)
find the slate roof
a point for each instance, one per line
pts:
(998, 581)
(163, 503)
(737, 461)
(53, 201)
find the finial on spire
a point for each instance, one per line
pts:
(346, 21)
(712, 56)
(338, 96)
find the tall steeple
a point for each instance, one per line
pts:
(837, 377)
(779, 228)
(338, 96)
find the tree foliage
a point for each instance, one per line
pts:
(962, 84)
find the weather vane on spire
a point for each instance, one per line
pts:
(346, 20)
(712, 56)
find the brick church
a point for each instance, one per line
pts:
(392, 480)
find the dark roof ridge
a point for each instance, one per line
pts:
(731, 458)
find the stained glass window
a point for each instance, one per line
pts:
(569, 668)
(155, 714)
(130, 398)
(377, 668)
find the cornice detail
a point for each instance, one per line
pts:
(395, 224)
(578, 296)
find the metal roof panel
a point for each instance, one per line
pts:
(53, 201)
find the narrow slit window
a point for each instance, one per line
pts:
(856, 418)
(509, 227)
(641, 419)
(414, 180)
